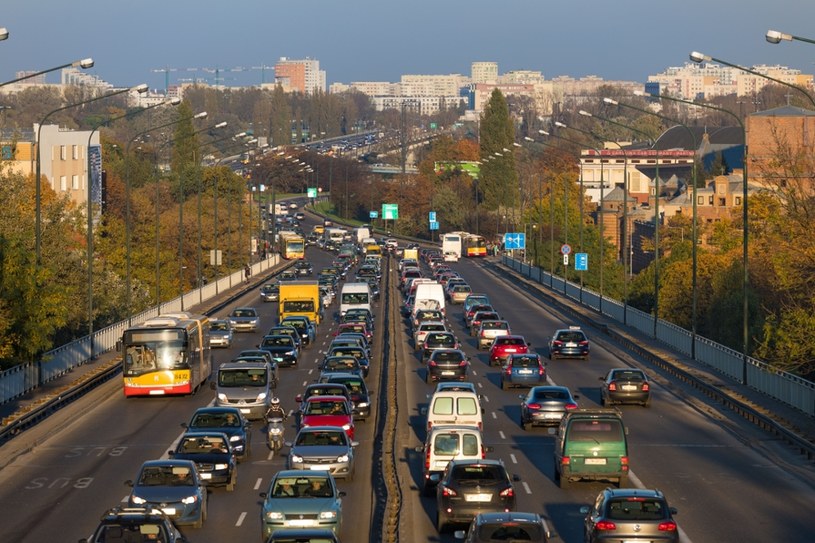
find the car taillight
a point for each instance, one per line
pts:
(565, 461)
(612, 386)
(645, 387)
(508, 370)
(480, 425)
(534, 406)
(431, 363)
(570, 406)
(427, 457)
(447, 492)
(557, 343)
(605, 526)
(584, 343)
(429, 425)
(462, 364)
(624, 463)
(541, 371)
(508, 493)
(483, 452)
(669, 526)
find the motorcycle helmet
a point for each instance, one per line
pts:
(275, 401)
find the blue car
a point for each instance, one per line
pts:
(174, 487)
(523, 370)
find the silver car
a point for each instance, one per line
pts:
(323, 447)
(301, 499)
(220, 333)
(244, 319)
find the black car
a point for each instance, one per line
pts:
(283, 349)
(438, 340)
(135, 524)
(447, 364)
(635, 514)
(228, 420)
(303, 268)
(625, 385)
(360, 397)
(569, 342)
(545, 406)
(303, 535)
(506, 526)
(469, 487)
(212, 454)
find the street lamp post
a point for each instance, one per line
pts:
(774, 36)
(85, 63)
(745, 233)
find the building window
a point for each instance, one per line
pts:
(722, 202)
(63, 183)
(63, 153)
(75, 152)
(75, 182)
(700, 200)
(738, 200)
(710, 200)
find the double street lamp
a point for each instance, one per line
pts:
(85, 63)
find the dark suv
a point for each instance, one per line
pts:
(447, 364)
(438, 340)
(135, 524)
(630, 515)
(469, 487)
(569, 342)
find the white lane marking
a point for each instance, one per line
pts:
(494, 415)
(270, 456)
(501, 433)
(311, 370)
(486, 398)
(258, 483)
(480, 384)
(240, 519)
(305, 383)
(526, 487)
(512, 457)
(126, 498)
(475, 373)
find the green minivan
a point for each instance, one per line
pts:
(591, 444)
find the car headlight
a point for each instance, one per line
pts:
(346, 427)
(137, 500)
(190, 499)
(295, 459)
(234, 439)
(221, 466)
(343, 458)
(222, 397)
(261, 396)
(274, 515)
(290, 353)
(363, 404)
(328, 515)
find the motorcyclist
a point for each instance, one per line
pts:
(276, 410)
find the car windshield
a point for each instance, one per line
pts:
(627, 375)
(637, 509)
(132, 531)
(244, 313)
(215, 420)
(509, 532)
(277, 341)
(202, 445)
(509, 341)
(448, 356)
(596, 430)
(541, 395)
(166, 476)
(317, 439)
(219, 326)
(441, 339)
(477, 474)
(326, 408)
(524, 362)
(571, 336)
(495, 325)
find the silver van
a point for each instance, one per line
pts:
(245, 385)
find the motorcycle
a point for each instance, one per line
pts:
(274, 433)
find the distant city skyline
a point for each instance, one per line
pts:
(368, 40)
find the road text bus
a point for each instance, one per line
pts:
(168, 354)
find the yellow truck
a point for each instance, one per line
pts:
(411, 253)
(300, 298)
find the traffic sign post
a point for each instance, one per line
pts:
(311, 192)
(581, 261)
(566, 260)
(390, 211)
(514, 240)
(431, 217)
(373, 214)
(565, 249)
(434, 225)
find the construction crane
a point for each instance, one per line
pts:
(166, 70)
(263, 69)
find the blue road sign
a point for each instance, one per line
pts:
(514, 240)
(431, 216)
(434, 225)
(581, 261)
(373, 214)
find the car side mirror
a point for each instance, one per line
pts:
(170, 453)
(521, 397)
(435, 477)
(129, 483)
(341, 493)
(516, 477)
(584, 509)
(184, 425)
(601, 378)
(298, 398)
(489, 449)
(423, 411)
(355, 443)
(419, 449)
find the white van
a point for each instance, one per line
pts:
(429, 291)
(445, 443)
(355, 295)
(459, 407)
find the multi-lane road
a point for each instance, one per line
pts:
(729, 481)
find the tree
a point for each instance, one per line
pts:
(499, 178)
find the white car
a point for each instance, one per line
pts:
(450, 256)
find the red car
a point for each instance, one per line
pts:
(356, 328)
(328, 411)
(504, 346)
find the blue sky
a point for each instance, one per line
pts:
(379, 40)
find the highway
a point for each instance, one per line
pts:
(728, 480)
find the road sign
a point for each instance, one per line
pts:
(565, 260)
(565, 249)
(373, 214)
(434, 225)
(514, 240)
(581, 261)
(311, 192)
(390, 211)
(431, 216)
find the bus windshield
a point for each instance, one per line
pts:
(153, 356)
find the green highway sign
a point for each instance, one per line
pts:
(311, 192)
(390, 211)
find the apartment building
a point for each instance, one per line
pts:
(484, 72)
(781, 143)
(300, 75)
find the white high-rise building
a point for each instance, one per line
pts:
(484, 72)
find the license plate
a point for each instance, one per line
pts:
(169, 511)
(301, 522)
(552, 416)
(571, 344)
(477, 497)
(595, 461)
(525, 372)
(206, 475)
(246, 410)
(448, 373)
(316, 468)
(629, 387)
(512, 350)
